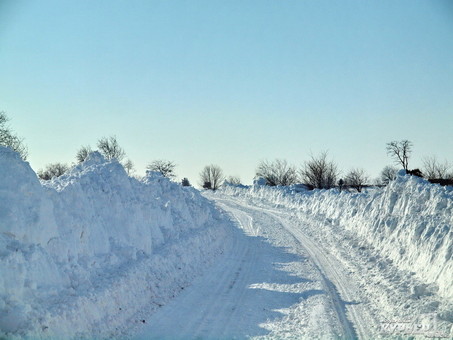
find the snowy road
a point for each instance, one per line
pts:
(273, 282)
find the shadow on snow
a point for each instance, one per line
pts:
(235, 304)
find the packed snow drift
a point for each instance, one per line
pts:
(96, 254)
(84, 254)
(409, 222)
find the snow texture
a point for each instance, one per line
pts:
(81, 255)
(410, 222)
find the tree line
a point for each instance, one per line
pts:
(318, 172)
(321, 173)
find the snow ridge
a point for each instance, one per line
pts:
(83, 254)
(410, 221)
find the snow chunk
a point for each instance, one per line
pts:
(259, 181)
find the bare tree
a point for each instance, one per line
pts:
(235, 180)
(53, 170)
(129, 167)
(166, 168)
(83, 153)
(319, 172)
(9, 139)
(185, 182)
(356, 178)
(400, 152)
(388, 174)
(211, 177)
(433, 169)
(278, 172)
(110, 148)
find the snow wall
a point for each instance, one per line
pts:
(82, 254)
(410, 221)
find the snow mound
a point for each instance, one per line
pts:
(410, 222)
(82, 254)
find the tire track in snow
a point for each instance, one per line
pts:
(223, 304)
(337, 284)
(230, 300)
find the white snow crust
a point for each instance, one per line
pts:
(409, 222)
(82, 255)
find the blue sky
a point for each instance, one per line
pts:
(229, 82)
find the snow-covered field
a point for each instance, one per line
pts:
(88, 254)
(97, 254)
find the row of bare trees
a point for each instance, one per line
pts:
(319, 172)
(107, 146)
(322, 173)
(110, 148)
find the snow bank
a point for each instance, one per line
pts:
(409, 222)
(82, 254)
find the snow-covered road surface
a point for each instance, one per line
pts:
(272, 282)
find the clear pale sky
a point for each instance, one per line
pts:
(229, 82)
